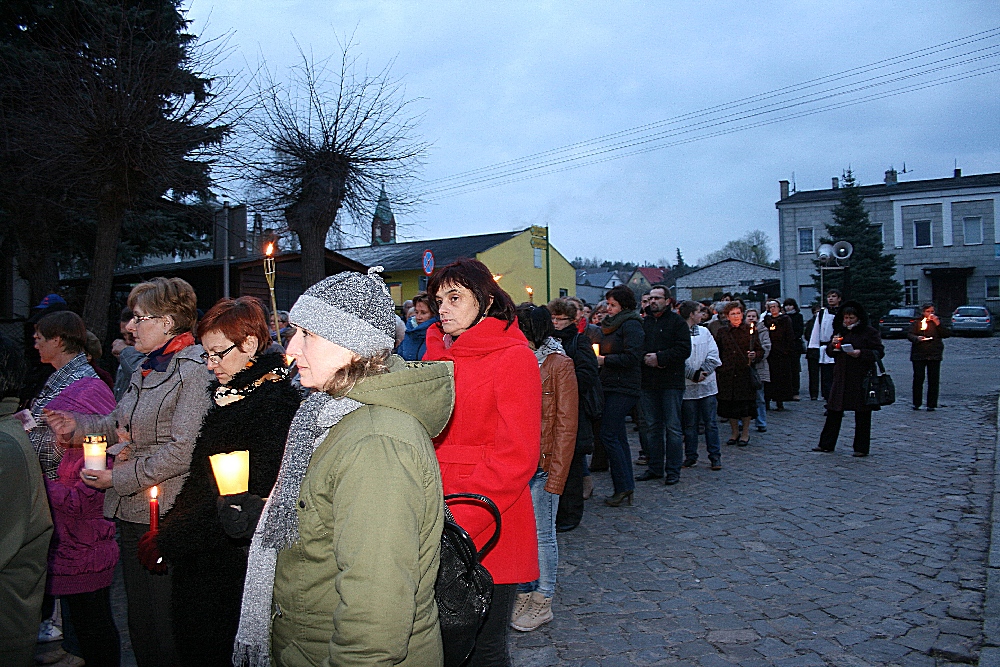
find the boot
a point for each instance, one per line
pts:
(588, 487)
(537, 613)
(520, 604)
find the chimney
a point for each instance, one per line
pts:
(836, 183)
(958, 173)
(890, 176)
(784, 189)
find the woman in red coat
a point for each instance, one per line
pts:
(491, 445)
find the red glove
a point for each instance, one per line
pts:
(149, 553)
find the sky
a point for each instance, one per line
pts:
(498, 81)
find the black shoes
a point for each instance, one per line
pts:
(566, 527)
(671, 480)
(859, 454)
(689, 463)
(646, 476)
(619, 498)
(715, 463)
(762, 429)
(820, 449)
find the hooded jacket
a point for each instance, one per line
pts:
(849, 372)
(358, 586)
(492, 444)
(414, 344)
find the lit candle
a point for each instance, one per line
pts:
(597, 349)
(232, 472)
(154, 509)
(95, 456)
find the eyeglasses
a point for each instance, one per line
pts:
(139, 319)
(560, 319)
(216, 357)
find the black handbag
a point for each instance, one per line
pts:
(879, 389)
(464, 588)
(755, 381)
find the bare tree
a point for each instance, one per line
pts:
(327, 140)
(754, 246)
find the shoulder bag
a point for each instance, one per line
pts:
(464, 588)
(878, 387)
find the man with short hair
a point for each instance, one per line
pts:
(667, 347)
(821, 334)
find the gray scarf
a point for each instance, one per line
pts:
(549, 346)
(279, 524)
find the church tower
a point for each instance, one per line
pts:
(383, 222)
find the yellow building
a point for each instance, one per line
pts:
(522, 262)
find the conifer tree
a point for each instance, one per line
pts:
(868, 277)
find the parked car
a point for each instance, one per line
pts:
(897, 322)
(972, 320)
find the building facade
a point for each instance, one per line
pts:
(733, 276)
(943, 232)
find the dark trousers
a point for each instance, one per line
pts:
(933, 370)
(665, 436)
(826, 379)
(796, 374)
(491, 643)
(862, 430)
(148, 594)
(95, 627)
(570, 511)
(639, 419)
(813, 365)
(614, 435)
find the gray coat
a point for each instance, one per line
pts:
(161, 414)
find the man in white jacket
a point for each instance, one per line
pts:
(700, 388)
(822, 332)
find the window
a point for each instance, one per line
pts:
(921, 233)
(563, 292)
(993, 287)
(973, 230)
(881, 232)
(911, 295)
(806, 239)
(538, 258)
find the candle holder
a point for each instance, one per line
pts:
(232, 472)
(95, 452)
(269, 273)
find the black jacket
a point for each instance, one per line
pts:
(622, 351)
(927, 350)
(208, 566)
(578, 347)
(670, 338)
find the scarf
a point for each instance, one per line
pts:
(157, 360)
(549, 346)
(611, 323)
(279, 524)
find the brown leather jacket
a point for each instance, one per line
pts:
(560, 405)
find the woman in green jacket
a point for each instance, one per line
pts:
(344, 559)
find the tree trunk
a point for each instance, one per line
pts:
(102, 268)
(35, 261)
(312, 238)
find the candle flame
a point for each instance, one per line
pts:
(529, 290)
(269, 249)
(497, 277)
(153, 492)
(923, 324)
(289, 360)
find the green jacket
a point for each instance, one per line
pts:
(25, 530)
(358, 587)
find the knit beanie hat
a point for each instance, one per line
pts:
(350, 309)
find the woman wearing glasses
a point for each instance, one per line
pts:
(157, 421)
(253, 402)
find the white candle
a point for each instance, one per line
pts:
(232, 472)
(95, 455)
(597, 350)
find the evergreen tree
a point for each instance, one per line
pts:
(868, 277)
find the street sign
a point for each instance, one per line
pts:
(538, 243)
(539, 232)
(428, 262)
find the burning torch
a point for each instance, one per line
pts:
(269, 276)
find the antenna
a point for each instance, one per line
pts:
(793, 183)
(905, 170)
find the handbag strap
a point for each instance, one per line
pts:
(492, 507)
(881, 367)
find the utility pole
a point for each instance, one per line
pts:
(225, 249)
(548, 269)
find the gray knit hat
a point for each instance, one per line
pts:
(350, 309)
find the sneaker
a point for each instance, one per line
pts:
(49, 632)
(538, 613)
(520, 604)
(643, 460)
(715, 463)
(689, 463)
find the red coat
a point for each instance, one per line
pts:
(491, 444)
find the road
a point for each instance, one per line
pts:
(790, 557)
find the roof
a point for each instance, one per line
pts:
(168, 267)
(408, 256)
(731, 259)
(902, 187)
(598, 278)
(653, 274)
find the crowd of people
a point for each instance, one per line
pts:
(358, 421)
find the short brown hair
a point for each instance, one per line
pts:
(623, 295)
(424, 298)
(564, 307)
(237, 320)
(474, 276)
(93, 346)
(731, 306)
(362, 367)
(67, 325)
(167, 296)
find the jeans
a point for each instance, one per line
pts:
(149, 619)
(545, 523)
(662, 408)
(933, 369)
(862, 430)
(491, 648)
(761, 420)
(615, 438)
(701, 410)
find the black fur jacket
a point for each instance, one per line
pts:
(208, 566)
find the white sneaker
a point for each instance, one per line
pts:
(49, 632)
(538, 613)
(520, 604)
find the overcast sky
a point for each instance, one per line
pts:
(502, 80)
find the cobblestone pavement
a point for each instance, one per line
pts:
(790, 557)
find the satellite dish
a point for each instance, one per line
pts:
(825, 252)
(842, 249)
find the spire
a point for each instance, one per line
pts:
(383, 222)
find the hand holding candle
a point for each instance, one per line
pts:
(232, 472)
(95, 455)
